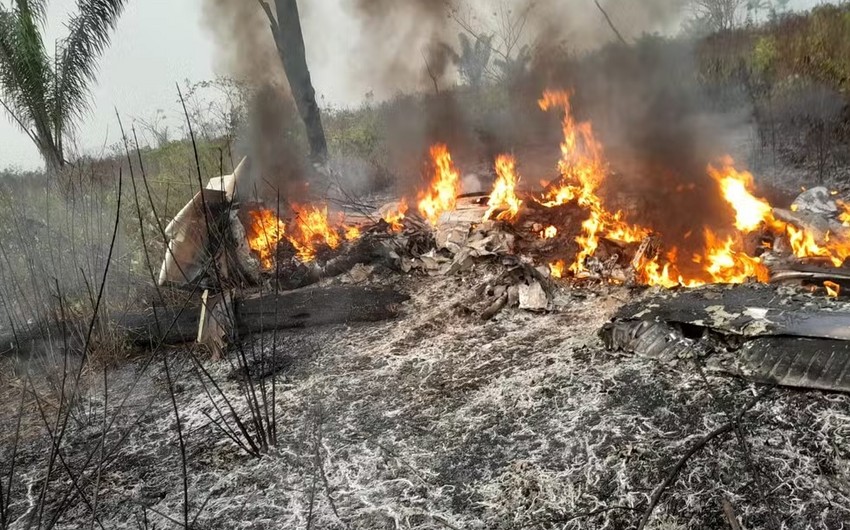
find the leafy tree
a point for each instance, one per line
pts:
(717, 15)
(45, 95)
(774, 8)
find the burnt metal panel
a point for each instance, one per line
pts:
(750, 311)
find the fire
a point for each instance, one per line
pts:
(264, 235)
(352, 233)
(803, 245)
(312, 228)
(750, 211)
(652, 273)
(504, 190)
(727, 264)
(588, 241)
(395, 216)
(619, 230)
(844, 216)
(722, 262)
(832, 289)
(445, 186)
(582, 168)
(582, 171)
(556, 269)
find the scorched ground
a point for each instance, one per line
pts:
(441, 420)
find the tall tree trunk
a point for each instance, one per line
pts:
(53, 160)
(290, 46)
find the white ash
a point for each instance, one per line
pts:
(441, 420)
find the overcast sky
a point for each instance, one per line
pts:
(161, 42)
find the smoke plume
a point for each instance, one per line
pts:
(245, 49)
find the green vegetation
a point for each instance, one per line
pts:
(44, 95)
(814, 45)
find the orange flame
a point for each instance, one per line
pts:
(352, 233)
(445, 186)
(556, 269)
(723, 261)
(727, 264)
(264, 234)
(619, 230)
(832, 289)
(844, 216)
(581, 165)
(803, 245)
(652, 273)
(588, 242)
(504, 190)
(395, 216)
(582, 170)
(750, 211)
(312, 228)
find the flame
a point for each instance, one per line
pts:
(652, 273)
(588, 241)
(723, 261)
(832, 289)
(312, 228)
(844, 216)
(750, 211)
(582, 169)
(352, 233)
(550, 232)
(581, 166)
(619, 230)
(727, 264)
(803, 245)
(445, 186)
(264, 234)
(556, 269)
(395, 216)
(504, 190)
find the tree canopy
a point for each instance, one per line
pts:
(46, 95)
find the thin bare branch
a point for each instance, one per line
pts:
(610, 23)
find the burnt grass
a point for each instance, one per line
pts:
(440, 420)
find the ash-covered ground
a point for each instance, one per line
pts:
(438, 419)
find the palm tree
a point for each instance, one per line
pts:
(45, 95)
(474, 57)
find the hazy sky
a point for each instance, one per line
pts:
(161, 42)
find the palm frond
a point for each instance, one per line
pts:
(25, 70)
(34, 9)
(77, 55)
